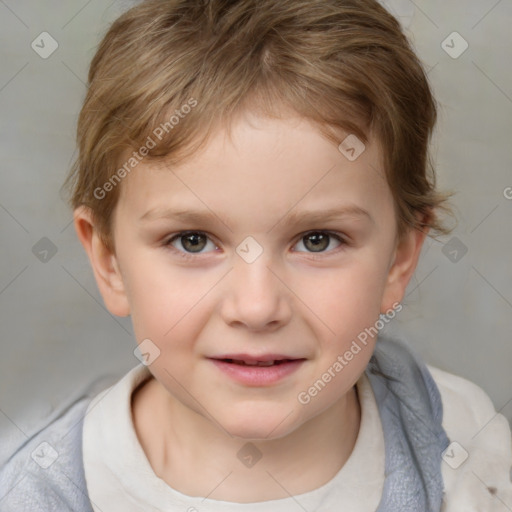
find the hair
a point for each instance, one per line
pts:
(169, 72)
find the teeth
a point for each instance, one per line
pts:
(255, 363)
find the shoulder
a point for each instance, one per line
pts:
(466, 405)
(476, 466)
(46, 472)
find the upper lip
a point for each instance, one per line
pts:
(248, 358)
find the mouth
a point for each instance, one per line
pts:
(257, 359)
(271, 362)
(257, 370)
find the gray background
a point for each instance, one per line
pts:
(56, 334)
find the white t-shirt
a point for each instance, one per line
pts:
(120, 478)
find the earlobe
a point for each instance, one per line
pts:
(404, 264)
(104, 263)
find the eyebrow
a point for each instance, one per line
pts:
(292, 218)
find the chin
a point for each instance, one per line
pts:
(260, 427)
(257, 434)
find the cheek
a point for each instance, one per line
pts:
(172, 319)
(165, 300)
(167, 316)
(169, 302)
(346, 308)
(346, 299)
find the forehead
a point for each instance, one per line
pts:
(260, 170)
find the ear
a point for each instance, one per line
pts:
(104, 263)
(404, 262)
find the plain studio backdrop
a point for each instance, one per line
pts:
(56, 334)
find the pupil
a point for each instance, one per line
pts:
(191, 242)
(319, 240)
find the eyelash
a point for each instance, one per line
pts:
(187, 255)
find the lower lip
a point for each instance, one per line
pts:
(258, 375)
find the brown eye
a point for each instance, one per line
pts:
(319, 241)
(191, 242)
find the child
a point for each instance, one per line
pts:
(291, 138)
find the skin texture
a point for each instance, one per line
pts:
(295, 300)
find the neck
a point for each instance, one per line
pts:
(178, 442)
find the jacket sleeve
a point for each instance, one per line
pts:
(46, 473)
(477, 464)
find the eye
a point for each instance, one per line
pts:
(319, 241)
(193, 242)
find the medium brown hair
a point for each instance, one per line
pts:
(180, 68)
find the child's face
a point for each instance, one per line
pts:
(304, 297)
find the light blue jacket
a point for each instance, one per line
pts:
(410, 409)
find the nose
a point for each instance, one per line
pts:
(256, 297)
